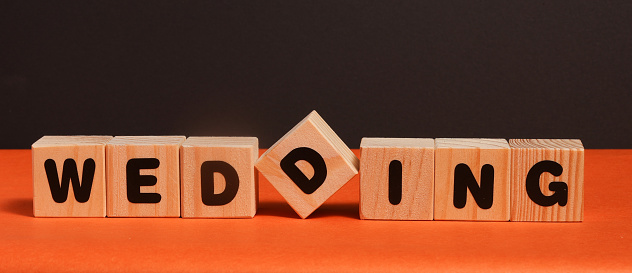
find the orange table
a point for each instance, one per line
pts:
(331, 239)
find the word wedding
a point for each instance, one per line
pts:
(400, 178)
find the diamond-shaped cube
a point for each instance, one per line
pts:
(308, 165)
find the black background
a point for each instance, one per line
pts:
(506, 69)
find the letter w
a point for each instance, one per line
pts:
(81, 188)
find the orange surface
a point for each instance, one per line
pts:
(331, 239)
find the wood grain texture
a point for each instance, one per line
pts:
(241, 153)
(164, 148)
(314, 133)
(417, 178)
(475, 153)
(569, 153)
(60, 148)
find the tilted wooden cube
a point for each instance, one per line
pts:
(218, 177)
(143, 176)
(472, 179)
(547, 180)
(69, 176)
(397, 178)
(308, 165)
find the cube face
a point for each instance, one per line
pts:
(311, 138)
(83, 154)
(379, 189)
(490, 157)
(538, 161)
(148, 165)
(240, 153)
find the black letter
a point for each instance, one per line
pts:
(135, 180)
(559, 189)
(209, 197)
(395, 182)
(82, 188)
(288, 165)
(464, 179)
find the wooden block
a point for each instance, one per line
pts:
(226, 166)
(397, 178)
(69, 176)
(547, 181)
(315, 158)
(472, 179)
(143, 176)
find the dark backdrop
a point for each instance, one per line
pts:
(506, 69)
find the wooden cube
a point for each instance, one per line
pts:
(308, 165)
(547, 181)
(397, 178)
(218, 177)
(69, 176)
(472, 179)
(143, 176)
